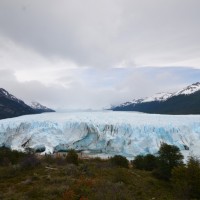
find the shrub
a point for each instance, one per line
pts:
(147, 162)
(48, 159)
(179, 182)
(150, 162)
(186, 179)
(69, 194)
(29, 162)
(72, 170)
(138, 162)
(72, 157)
(193, 171)
(59, 161)
(120, 175)
(10, 157)
(120, 161)
(169, 156)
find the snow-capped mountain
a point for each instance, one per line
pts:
(102, 133)
(39, 107)
(189, 89)
(163, 96)
(134, 101)
(4, 93)
(184, 101)
(157, 97)
(11, 106)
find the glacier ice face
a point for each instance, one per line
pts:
(103, 133)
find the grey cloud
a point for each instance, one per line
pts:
(90, 53)
(105, 33)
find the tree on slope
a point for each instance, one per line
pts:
(186, 179)
(145, 162)
(169, 156)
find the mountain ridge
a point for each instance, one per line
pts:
(184, 101)
(11, 106)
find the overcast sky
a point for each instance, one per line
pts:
(94, 53)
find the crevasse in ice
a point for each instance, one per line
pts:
(108, 133)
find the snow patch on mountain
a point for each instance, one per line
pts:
(134, 101)
(6, 94)
(36, 105)
(163, 96)
(109, 133)
(157, 97)
(189, 89)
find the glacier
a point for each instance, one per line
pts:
(102, 133)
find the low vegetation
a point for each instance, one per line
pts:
(26, 176)
(119, 161)
(145, 162)
(72, 157)
(186, 179)
(169, 157)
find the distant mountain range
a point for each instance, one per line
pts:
(10, 106)
(185, 101)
